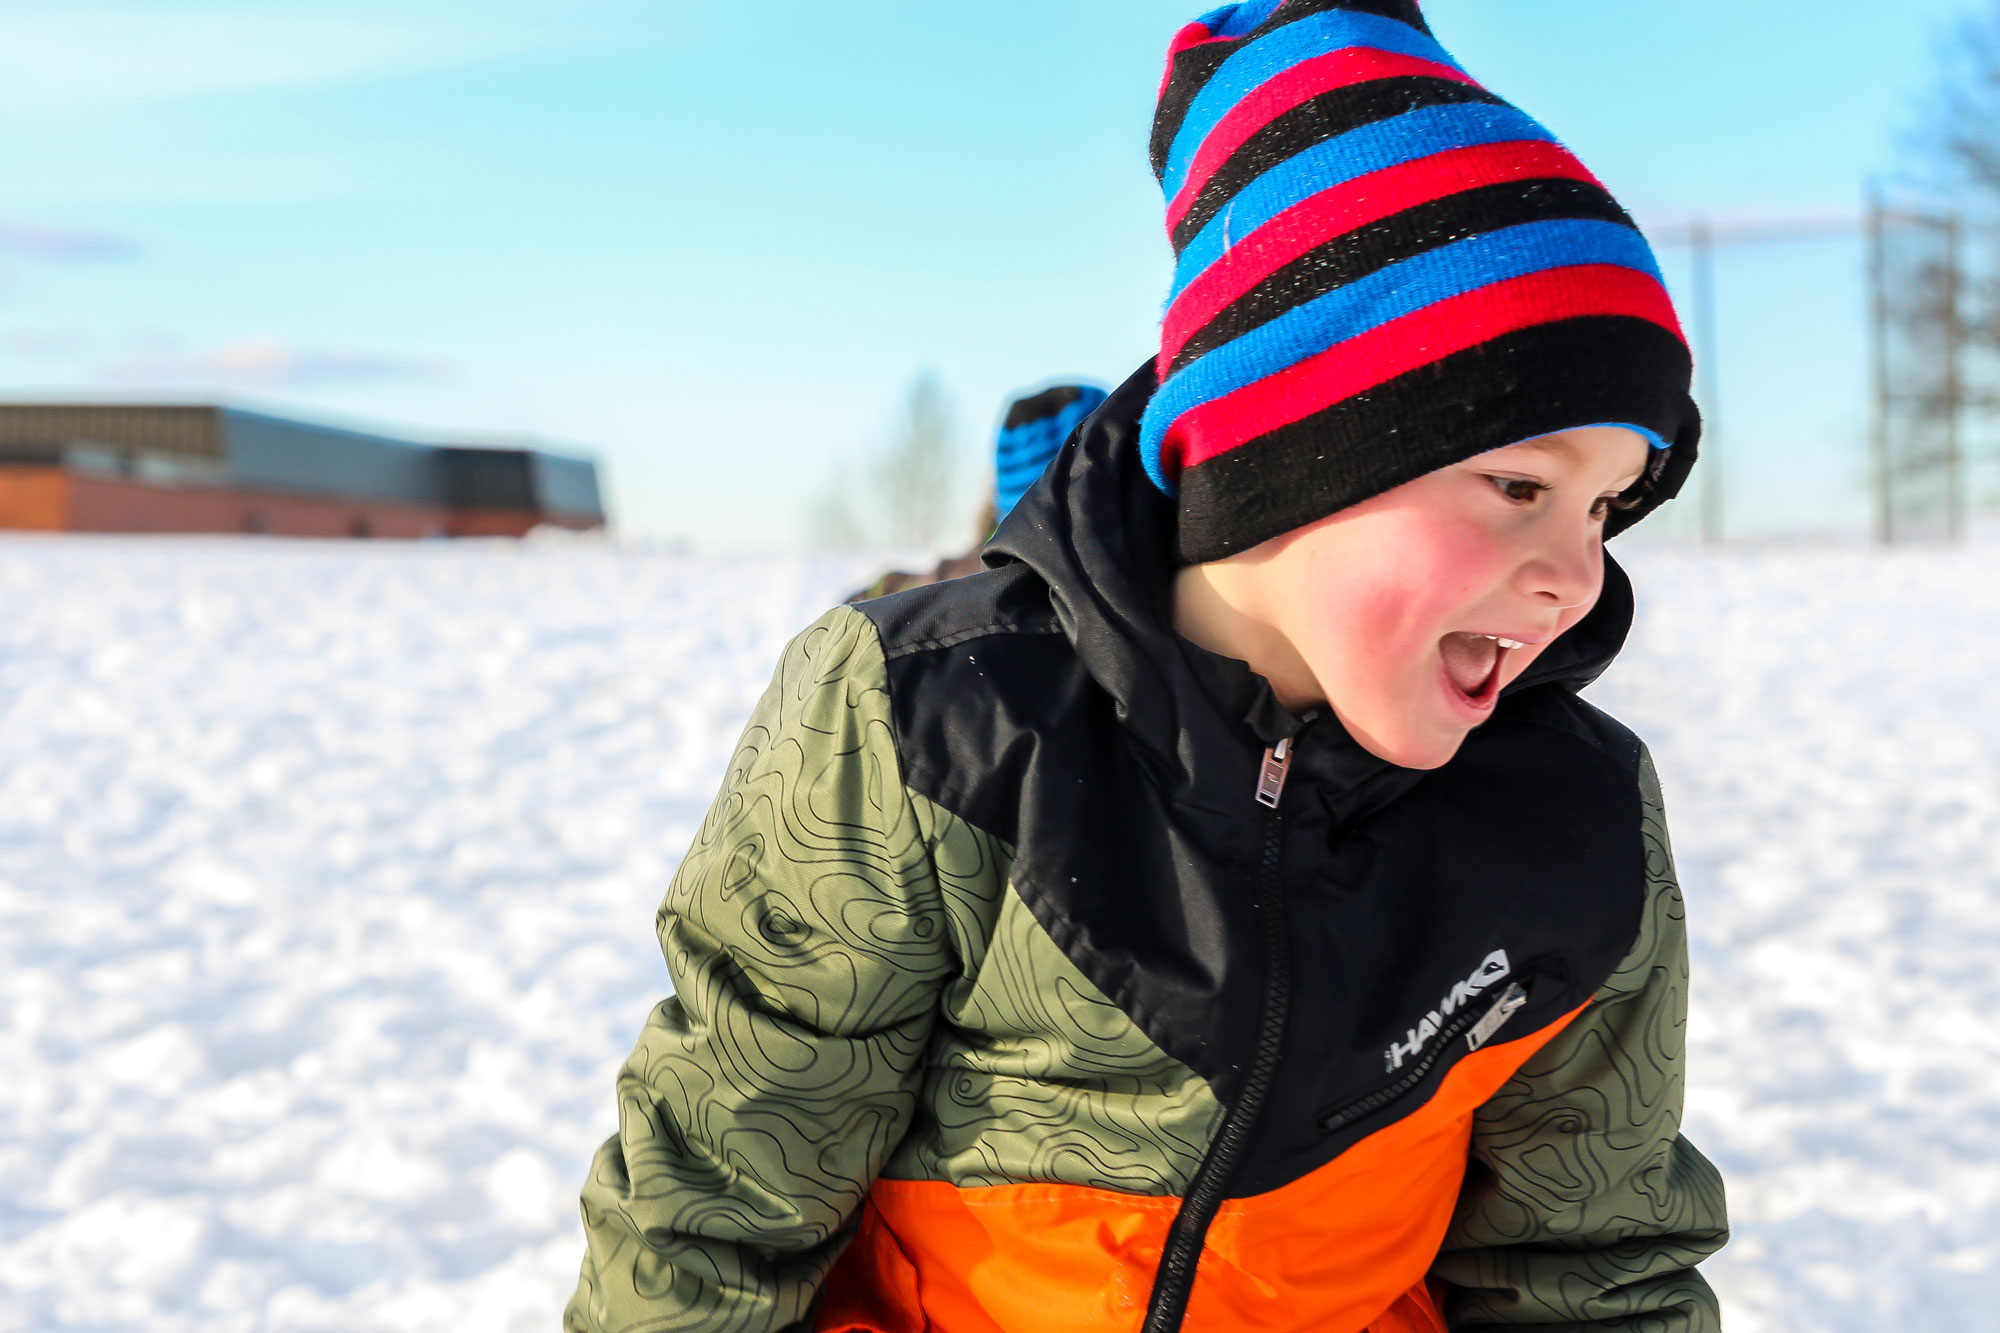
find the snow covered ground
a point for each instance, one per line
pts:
(1829, 739)
(327, 876)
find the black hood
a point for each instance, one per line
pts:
(1101, 536)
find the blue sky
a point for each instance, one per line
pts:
(714, 245)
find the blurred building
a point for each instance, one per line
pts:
(130, 468)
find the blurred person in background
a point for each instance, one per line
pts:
(1031, 434)
(1222, 913)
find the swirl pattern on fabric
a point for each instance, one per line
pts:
(807, 942)
(1036, 1076)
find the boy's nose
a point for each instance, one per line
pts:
(1565, 574)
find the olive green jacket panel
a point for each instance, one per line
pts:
(1035, 1076)
(858, 992)
(807, 942)
(1584, 1208)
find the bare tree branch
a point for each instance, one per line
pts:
(906, 492)
(915, 477)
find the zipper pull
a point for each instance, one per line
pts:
(1510, 1003)
(1277, 765)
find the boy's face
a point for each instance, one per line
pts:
(1411, 611)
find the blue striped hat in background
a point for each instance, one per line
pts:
(1033, 433)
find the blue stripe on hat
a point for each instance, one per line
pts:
(1030, 456)
(1236, 20)
(1376, 147)
(1646, 433)
(1400, 289)
(1270, 55)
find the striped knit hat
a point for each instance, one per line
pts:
(1383, 269)
(1035, 429)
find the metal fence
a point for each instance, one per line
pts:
(1936, 376)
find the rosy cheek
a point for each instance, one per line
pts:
(1439, 568)
(1373, 647)
(1399, 621)
(1394, 633)
(1381, 617)
(1454, 564)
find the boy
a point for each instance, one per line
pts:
(1222, 913)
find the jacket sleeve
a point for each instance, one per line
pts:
(806, 943)
(1584, 1209)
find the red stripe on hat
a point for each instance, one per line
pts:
(1418, 339)
(1296, 86)
(1347, 207)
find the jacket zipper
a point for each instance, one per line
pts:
(1174, 1282)
(1476, 1025)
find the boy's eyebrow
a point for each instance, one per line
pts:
(1561, 445)
(1547, 444)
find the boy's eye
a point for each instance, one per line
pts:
(1518, 489)
(1628, 499)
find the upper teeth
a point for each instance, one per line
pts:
(1510, 643)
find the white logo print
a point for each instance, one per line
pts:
(1494, 969)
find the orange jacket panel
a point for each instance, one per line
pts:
(1338, 1251)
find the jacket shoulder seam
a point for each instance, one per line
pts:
(958, 637)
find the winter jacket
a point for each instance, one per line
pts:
(1035, 970)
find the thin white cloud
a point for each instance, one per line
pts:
(67, 243)
(89, 55)
(42, 344)
(269, 363)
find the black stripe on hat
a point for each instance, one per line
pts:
(1191, 71)
(1327, 116)
(1045, 404)
(1535, 381)
(1403, 11)
(1400, 236)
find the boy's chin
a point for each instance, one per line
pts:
(1409, 749)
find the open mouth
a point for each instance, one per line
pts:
(1473, 665)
